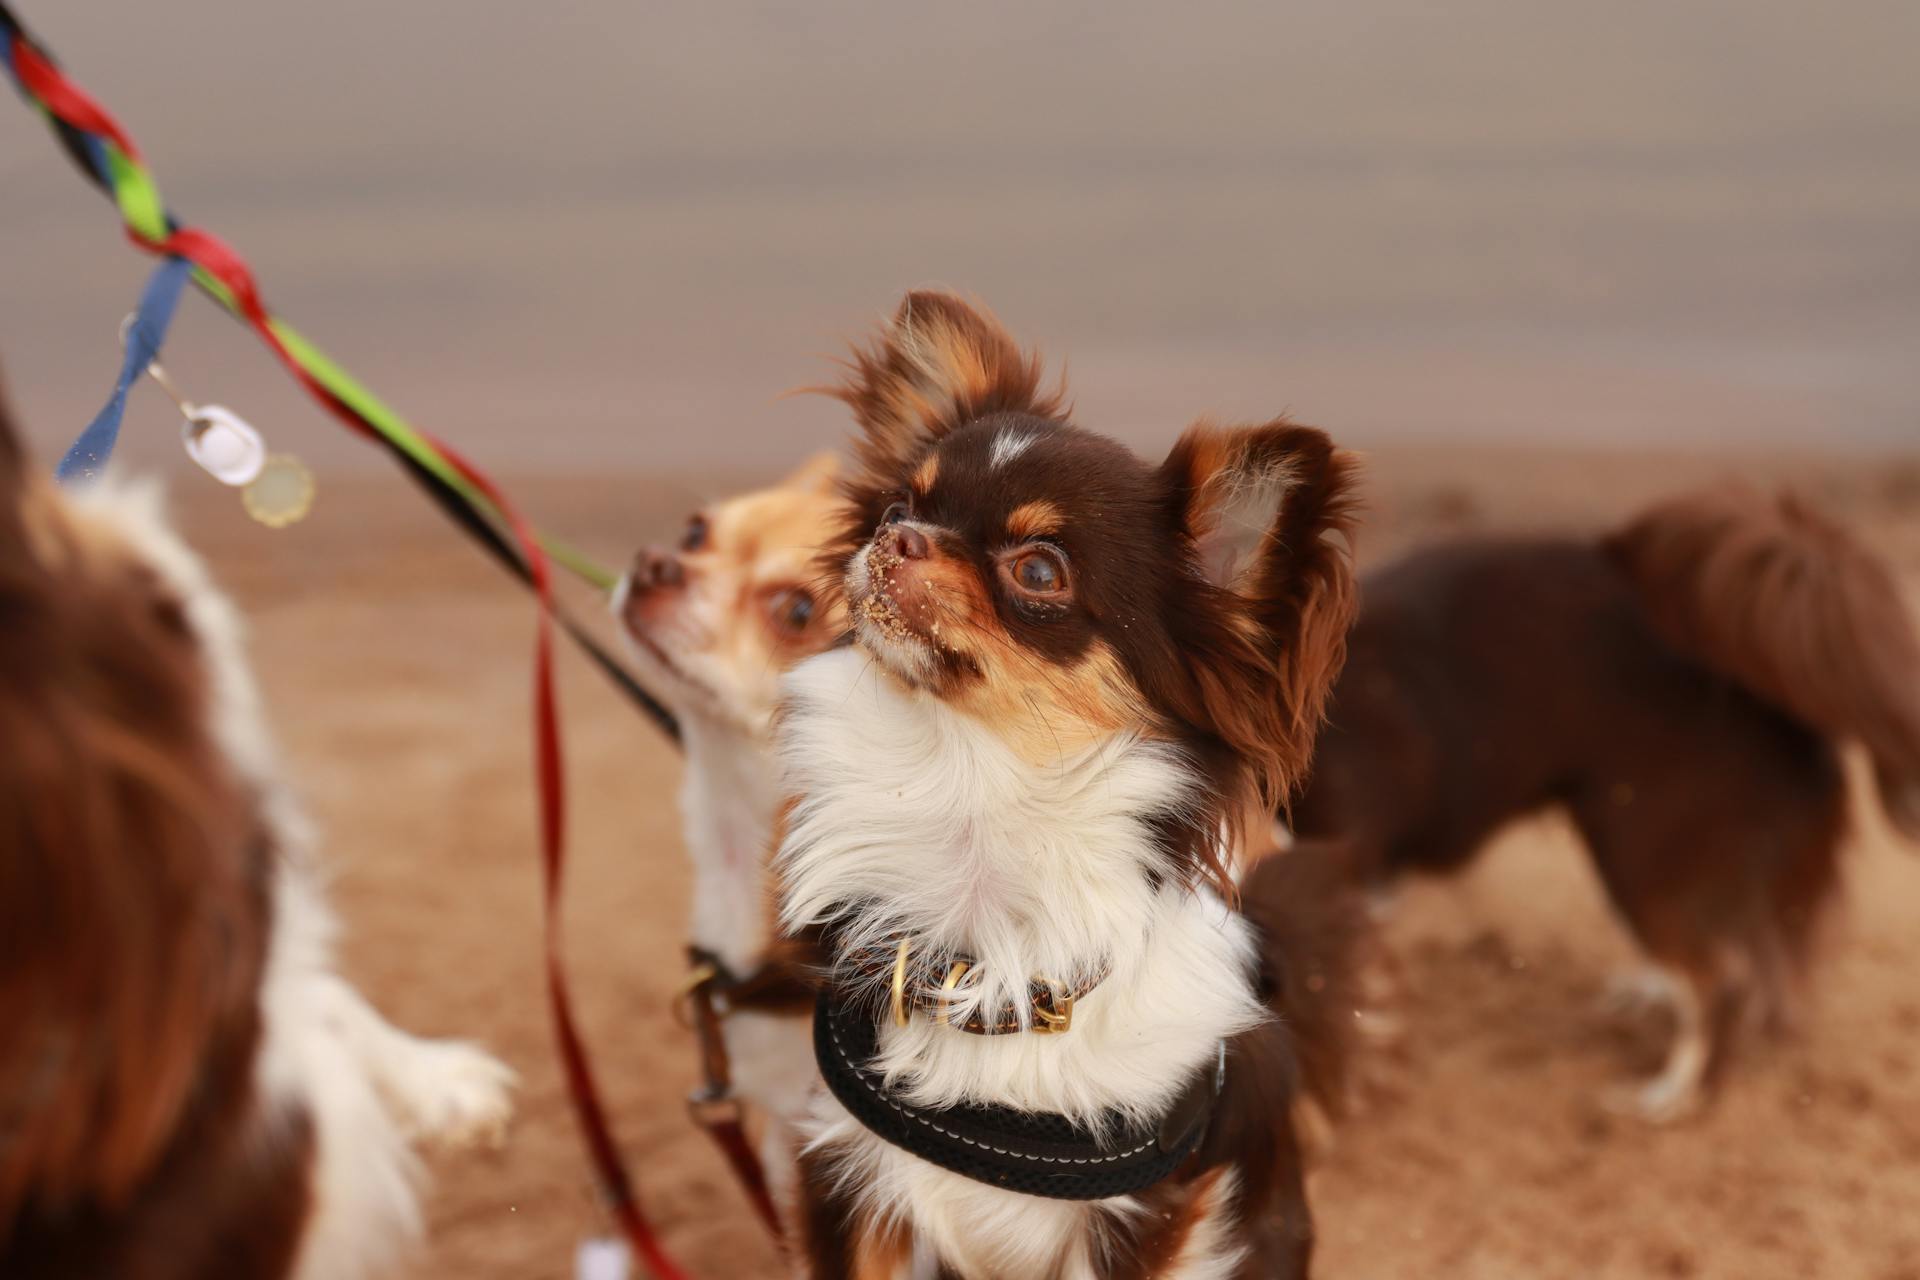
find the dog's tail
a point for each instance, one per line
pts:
(1311, 924)
(1782, 600)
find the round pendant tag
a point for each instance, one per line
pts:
(282, 493)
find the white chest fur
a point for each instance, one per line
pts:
(727, 801)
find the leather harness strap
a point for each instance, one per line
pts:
(780, 984)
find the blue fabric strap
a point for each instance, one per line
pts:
(88, 456)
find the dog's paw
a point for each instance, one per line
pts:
(1660, 1101)
(1639, 995)
(1379, 1030)
(455, 1094)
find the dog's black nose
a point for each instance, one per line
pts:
(907, 542)
(656, 568)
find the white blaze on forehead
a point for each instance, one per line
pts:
(1009, 445)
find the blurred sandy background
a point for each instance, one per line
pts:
(1542, 261)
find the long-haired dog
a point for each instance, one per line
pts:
(187, 1088)
(1680, 688)
(714, 621)
(1077, 678)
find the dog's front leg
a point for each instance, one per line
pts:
(448, 1091)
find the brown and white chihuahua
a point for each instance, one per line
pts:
(1014, 805)
(714, 622)
(188, 1088)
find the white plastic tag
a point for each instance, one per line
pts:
(225, 446)
(602, 1260)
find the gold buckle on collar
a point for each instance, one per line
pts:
(1058, 1019)
(957, 972)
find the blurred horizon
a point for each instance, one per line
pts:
(613, 236)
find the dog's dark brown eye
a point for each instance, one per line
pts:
(697, 533)
(793, 610)
(895, 513)
(1039, 571)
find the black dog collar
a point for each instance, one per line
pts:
(1039, 1153)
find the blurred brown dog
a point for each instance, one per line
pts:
(1681, 687)
(187, 1087)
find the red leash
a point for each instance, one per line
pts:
(551, 768)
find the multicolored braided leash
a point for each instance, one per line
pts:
(107, 156)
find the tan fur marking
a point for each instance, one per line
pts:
(925, 475)
(881, 1253)
(1045, 711)
(1035, 519)
(1198, 1235)
(1184, 1221)
(761, 545)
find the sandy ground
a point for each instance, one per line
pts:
(395, 662)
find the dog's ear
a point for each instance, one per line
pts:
(1266, 514)
(937, 365)
(818, 474)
